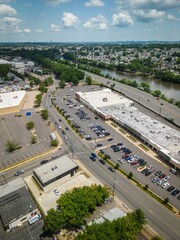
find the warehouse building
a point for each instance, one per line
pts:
(12, 101)
(156, 135)
(62, 168)
(16, 204)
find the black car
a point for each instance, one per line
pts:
(43, 162)
(110, 139)
(19, 172)
(175, 192)
(111, 169)
(99, 145)
(67, 128)
(119, 144)
(63, 132)
(107, 156)
(101, 151)
(92, 158)
(60, 120)
(178, 197)
(148, 173)
(102, 161)
(170, 188)
(158, 173)
(144, 171)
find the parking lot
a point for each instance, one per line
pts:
(93, 130)
(19, 133)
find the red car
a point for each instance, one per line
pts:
(134, 163)
(162, 176)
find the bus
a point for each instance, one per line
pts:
(34, 219)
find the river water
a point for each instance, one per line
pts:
(170, 90)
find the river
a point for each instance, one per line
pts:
(170, 90)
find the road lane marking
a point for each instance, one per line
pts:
(150, 211)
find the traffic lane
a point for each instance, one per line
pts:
(135, 198)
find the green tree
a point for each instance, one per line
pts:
(146, 187)
(30, 125)
(157, 93)
(145, 86)
(62, 83)
(157, 238)
(117, 166)
(177, 103)
(53, 221)
(89, 80)
(33, 139)
(166, 200)
(44, 114)
(38, 100)
(4, 69)
(130, 176)
(12, 145)
(54, 143)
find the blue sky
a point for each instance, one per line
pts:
(89, 20)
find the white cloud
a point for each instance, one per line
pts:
(27, 30)
(148, 15)
(94, 3)
(56, 2)
(39, 30)
(121, 19)
(148, 4)
(7, 10)
(9, 24)
(10, 20)
(54, 28)
(96, 23)
(70, 20)
(173, 18)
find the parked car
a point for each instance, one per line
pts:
(154, 180)
(170, 188)
(158, 173)
(94, 155)
(99, 145)
(111, 169)
(110, 139)
(175, 192)
(166, 178)
(165, 185)
(102, 161)
(18, 172)
(162, 176)
(43, 162)
(56, 191)
(101, 151)
(92, 158)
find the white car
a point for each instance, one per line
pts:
(59, 126)
(160, 182)
(166, 178)
(56, 191)
(154, 180)
(120, 160)
(165, 185)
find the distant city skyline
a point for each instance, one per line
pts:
(89, 20)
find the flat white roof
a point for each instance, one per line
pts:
(103, 98)
(54, 168)
(11, 99)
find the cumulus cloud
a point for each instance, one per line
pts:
(54, 28)
(10, 24)
(121, 19)
(11, 20)
(96, 23)
(56, 2)
(27, 30)
(70, 20)
(148, 4)
(94, 3)
(173, 18)
(7, 10)
(148, 15)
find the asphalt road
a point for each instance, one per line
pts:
(166, 110)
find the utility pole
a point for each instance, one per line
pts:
(114, 184)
